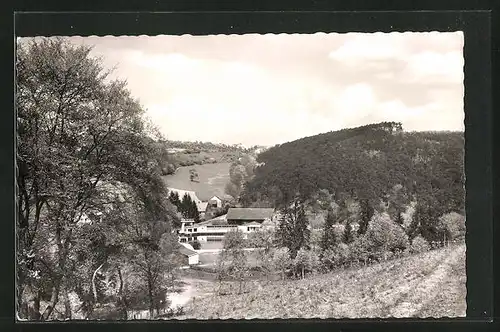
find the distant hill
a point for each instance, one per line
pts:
(182, 153)
(366, 163)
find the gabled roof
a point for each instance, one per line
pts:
(216, 197)
(249, 213)
(221, 220)
(186, 252)
(182, 192)
(202, 207)
(253, 223)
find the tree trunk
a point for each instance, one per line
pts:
(36, 306)
(67, 304)
(94, 289)
(54, 298)
(150, 295)
(303, 272)
(122, 301)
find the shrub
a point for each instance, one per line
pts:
(383, 234)
(282, 260)
(419, 244)
(453, 224)
(234, 240)
(262, 238)
(336, 256)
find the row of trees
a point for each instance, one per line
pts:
(240, 172)
(292, 249)
(186, 207)
(90, 196)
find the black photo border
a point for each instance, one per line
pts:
(49, 18)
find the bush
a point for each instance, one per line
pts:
(419, 244)
(383, 234)
(359, 249)
(282, 260)
(336, 256)
(453, 224)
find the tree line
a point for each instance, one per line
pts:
(93, 226)
(292, 250)
(375, 165)
(185, 206)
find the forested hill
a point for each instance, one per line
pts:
(364, 163)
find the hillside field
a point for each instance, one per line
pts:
(431, 284)
(212, 179)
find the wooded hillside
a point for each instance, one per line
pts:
(365, 164)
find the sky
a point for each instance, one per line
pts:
(269, 89)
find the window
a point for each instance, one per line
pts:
(196, 229)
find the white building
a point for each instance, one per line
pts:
(215, 202)
(188, 255)
(242, 219)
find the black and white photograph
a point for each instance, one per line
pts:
(251, 176)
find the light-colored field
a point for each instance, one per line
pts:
(212, 179)
(430, 284)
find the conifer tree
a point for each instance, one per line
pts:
(329, 238)
(195, 214)
(293, 231)
(348, 236)
(366, 215)
(185, 205)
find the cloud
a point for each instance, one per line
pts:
(444, 67)
(362, 47)
(268, 89)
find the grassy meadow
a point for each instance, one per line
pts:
(212, 179)
(432, 283)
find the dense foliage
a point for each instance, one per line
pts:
(185, 206)
(90, 195)
(379, 165)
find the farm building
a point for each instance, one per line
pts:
(214, 230)
(186, 255)
(215, 202)
(238, 216)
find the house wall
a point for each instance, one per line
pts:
(209, 233)
(193, 260)
(215, 200)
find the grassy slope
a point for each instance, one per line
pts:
(428, 284)
(212, 179)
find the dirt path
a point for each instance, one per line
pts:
(191, 289)
(427, 288)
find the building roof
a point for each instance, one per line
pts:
(253, 223)
(249, 213)
(182, 192)
(215, 196)
(202, 207)
(221, 220)
(186, 252)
